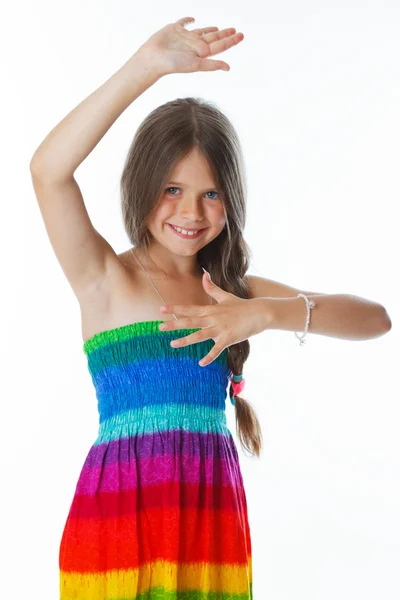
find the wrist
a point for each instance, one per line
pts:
(288, 314)
(267, 312)
(145, 62)
(138, 74)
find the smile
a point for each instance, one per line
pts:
(186, 236)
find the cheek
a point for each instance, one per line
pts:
(161, 212)
(222, 220)
(218, 217)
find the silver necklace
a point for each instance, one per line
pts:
(151, 281)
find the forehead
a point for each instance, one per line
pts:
(193, 169)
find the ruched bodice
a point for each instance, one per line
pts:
(134, 366)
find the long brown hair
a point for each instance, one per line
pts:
(166, 135)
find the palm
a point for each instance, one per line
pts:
(178, 50)
(182, 58)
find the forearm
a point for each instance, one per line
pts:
(336, 315)
(74, 138)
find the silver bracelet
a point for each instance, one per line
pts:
(310, 304)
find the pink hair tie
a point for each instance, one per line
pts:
(237, 382)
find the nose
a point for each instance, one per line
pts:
(190, 208)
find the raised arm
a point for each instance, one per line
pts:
(80, 249)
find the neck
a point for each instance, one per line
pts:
(160, 262)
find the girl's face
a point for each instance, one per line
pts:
(190, 200)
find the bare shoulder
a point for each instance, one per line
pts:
(260, 287)
(117, 273)
(105, 304)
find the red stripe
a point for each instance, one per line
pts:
(124, 542)
(163, 495)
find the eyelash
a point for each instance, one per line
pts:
(176, 188)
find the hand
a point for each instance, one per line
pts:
(174, 49)
(229, 322)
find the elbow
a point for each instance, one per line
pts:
(386, 321)
(34, 166)
(388, 325)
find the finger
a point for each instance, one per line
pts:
(192, 323)
(225, 43)
(181, 323)
(204, 30)
(202, 49)
(212, 355)
(184, 20)
(185, 309)
(193, 338)
(205, 361)
(218, 35)
(206, 64)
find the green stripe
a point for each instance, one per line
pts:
(120, 333)
(156, 593)
(125, 332)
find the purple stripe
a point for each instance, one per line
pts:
(158, 443)
(141, 472)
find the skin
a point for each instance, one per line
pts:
(194, 203)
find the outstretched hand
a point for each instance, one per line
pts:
(229, 322)
(174, 49)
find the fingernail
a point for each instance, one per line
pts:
(208, 274)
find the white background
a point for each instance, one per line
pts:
(314, 93)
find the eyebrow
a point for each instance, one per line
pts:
(184, 184)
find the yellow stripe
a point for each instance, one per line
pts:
(231, 579)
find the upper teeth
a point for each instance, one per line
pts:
(186, 232)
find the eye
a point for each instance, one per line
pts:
(176, 188)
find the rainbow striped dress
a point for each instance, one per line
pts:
(159, 511)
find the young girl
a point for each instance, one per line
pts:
(159, 510)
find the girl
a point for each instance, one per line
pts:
(159, 509)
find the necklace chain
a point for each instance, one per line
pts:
(151, 281)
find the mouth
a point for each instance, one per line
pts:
(189, 236)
